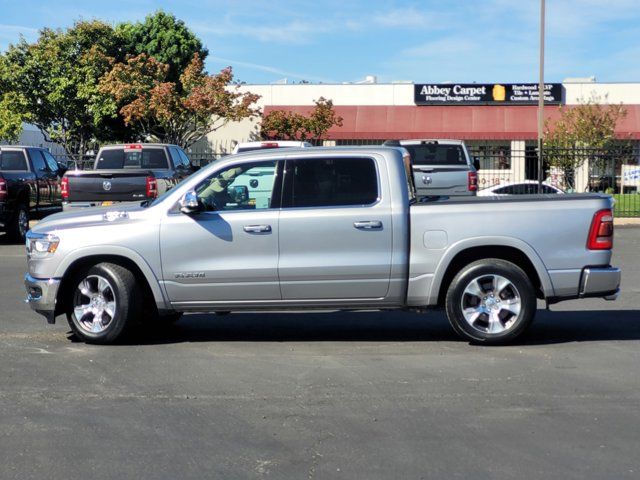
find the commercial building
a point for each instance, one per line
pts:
(498, 121)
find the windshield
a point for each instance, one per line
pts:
(436, 154)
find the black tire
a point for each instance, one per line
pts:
(17, 229)
(490, 304)
(122, 295)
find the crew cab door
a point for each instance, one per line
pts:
(335, 230)
(226, 254)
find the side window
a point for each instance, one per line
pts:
(51, 162)
(248, 186)
(185, 159)
(326, 182)
(13, 160)
(37, 160)
(175, 157)
(504, 191)
(547, 189)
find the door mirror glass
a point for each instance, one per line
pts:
(239, 194)
(189, 203)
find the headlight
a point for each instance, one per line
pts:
(41, 244)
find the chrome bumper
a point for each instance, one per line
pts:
(603, 282)
(42, 294)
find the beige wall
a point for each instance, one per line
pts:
(384, 94)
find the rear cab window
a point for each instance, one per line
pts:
(132, 157)
(330, 182)
(13, 160)
(436, 154)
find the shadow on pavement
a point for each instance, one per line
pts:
(548, 328)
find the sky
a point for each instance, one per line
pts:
(335, 41)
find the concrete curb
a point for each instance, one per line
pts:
(627, 222)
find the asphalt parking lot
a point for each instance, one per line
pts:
(324, 395)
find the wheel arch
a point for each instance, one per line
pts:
(142, 271)
(512, 250)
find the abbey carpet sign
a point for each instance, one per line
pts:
(485, 93)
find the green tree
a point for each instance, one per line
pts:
(179, 112)
(280, 124)
(165, 38)
(584, 132)
(10, 121)
(54, 83)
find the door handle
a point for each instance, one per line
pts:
(368, 225)
(257, 228)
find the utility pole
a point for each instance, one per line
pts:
(541, 98)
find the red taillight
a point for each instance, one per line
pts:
(269, 145)
(133, 146)
(64, 188)
(601, 232)
(473, 181)
(152, 187)
(3, 189)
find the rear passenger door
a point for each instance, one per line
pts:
(335, 232)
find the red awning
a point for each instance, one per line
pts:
(477, 122)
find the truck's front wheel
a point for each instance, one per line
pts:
(104, 303)
(17, 229)
(490, 301)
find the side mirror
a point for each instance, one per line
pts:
(194, 167)
(476, 163)
(62, 168)
(238, 193)
(189, 203)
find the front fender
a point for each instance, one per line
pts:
(117, 251)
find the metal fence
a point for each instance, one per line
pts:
(614, 170)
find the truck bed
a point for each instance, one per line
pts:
(551, 229)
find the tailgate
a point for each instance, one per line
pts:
(108, 185)
(445, 180)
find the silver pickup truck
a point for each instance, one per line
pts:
(321, 228)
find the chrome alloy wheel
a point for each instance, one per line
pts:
(23, 223)
(491, 304)
(94, 304)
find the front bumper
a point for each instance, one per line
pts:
(603, 282)
(42, 294)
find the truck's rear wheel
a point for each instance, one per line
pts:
(104, 303)
(491, 301)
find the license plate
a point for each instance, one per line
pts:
(106, 204)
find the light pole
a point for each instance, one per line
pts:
(541, 98)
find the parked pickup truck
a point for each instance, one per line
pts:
(326, 228)
(441, 167)
(29, 186)
(126, 173)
